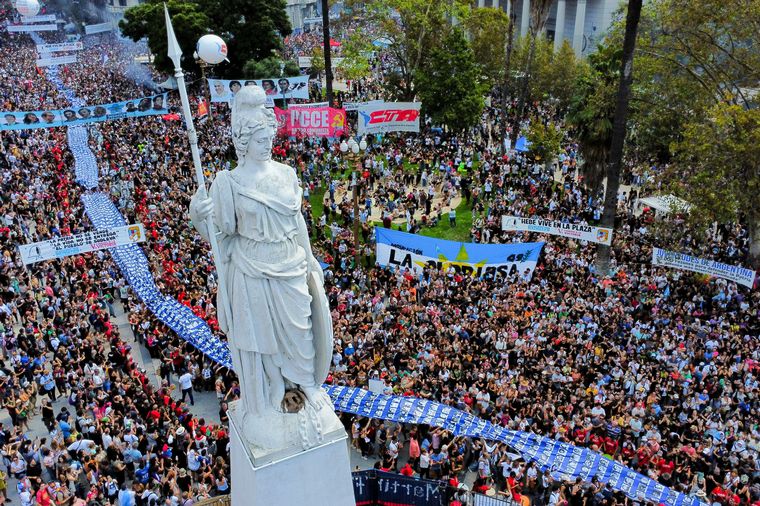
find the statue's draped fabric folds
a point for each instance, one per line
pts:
(273, 308)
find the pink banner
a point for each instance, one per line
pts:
(311, 121)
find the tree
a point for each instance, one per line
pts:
(602, 263)
(270, 67)
(717, 168)
(487, 29)
(317, 60)
(539, 13)
(415, 28)
(545, 140)
(592, 111)
(147, 21)
(252, 29)
(356, 49)
(450, 85)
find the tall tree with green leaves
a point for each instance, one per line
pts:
(592, 110)
(487, 29)
(718, 170)
(147, 21)
(252, 29)
(450, 85)
(615, 165)
(545, 140)
(270, 67)
(539, 14)
(414, 28)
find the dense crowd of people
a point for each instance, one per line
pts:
(655, 368)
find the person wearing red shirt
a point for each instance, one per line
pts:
(610, 446)
(407, 470)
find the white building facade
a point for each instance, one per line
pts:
(583, 23)
(301, 12)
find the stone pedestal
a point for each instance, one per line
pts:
(319, 476)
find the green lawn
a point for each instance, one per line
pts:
(460, 233)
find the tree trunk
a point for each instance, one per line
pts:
(505, 86)
(523, 90)
(618, 133)
(326, 43)
(754, 244)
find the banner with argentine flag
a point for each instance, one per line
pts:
(418, 252)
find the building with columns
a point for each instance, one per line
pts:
(583, 23)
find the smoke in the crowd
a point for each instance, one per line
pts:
(140, 75)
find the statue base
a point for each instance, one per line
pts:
(290, 475)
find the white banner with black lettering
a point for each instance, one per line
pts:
(43, 18)
(60, 47)
(31, 28)
(56, 60)
(599, 235)
(98, 28)
(87, 242)
(674, 260)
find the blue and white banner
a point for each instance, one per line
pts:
(130, 258)
(565, 462)
(674, 260)
(480, 260)
(82, 115)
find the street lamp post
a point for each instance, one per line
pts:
(352, 151)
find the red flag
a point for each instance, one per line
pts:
(202, 107)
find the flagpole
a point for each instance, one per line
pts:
(175, 54)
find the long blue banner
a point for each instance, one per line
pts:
(83, 115)
(480, 260)
(564, 461)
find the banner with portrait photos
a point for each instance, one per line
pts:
(146, 106)
(224, 90)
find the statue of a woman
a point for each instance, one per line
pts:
(273, 308)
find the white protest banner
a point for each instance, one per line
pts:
(588, 233)
(61, 46)
(56, 60)
(224, 90)
(31, 28)
(308, 106)
(304, 62)
(87, 242)
(43, 18)
(98, 28)
(736, 273)
(389, 117)
(354, 106)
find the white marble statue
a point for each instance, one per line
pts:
(273, 309)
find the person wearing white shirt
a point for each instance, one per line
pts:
(186, 384)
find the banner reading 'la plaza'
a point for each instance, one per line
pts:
(578, 231)
(417, 252)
